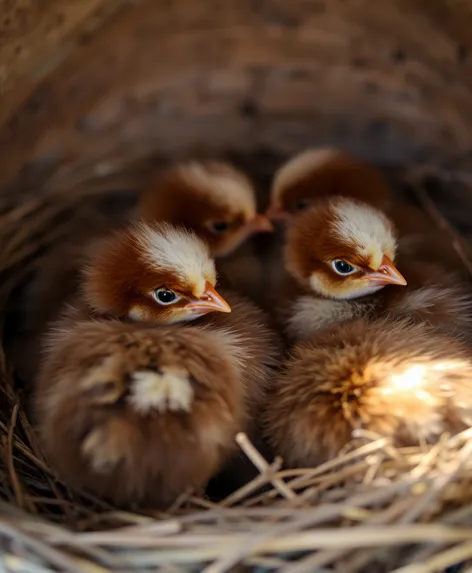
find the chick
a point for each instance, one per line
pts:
(374, 349)
(140, 392)
(156, 273)
(340, 259)
(395, 379)
(164, 275)
(212, 198)
(326, 172)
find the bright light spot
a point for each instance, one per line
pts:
(450, 365)
(411, 378)
(419, 376)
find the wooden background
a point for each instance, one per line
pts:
(90, 89)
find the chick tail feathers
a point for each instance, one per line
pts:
(155, 408)
(404, 381)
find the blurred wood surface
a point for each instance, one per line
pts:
(100, 86)
(36, 35)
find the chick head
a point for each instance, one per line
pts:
(213, 199)
(342, 249)
(156, 273)
(320, 173)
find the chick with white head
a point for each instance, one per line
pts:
(136, 399)
(155, 272)
(342, 249)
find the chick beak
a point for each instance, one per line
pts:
(260, 224)
(386, 274)
(210, 301)
(276, 214)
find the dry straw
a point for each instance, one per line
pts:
(374, 508)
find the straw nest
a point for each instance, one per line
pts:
(374, 508)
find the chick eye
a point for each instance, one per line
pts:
(218, 227)
(165, 296)
(300, 205)
(342, 267)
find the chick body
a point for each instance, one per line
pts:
(395, 379)
(139, 414)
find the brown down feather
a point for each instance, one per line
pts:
(394, 379)
(94, 436)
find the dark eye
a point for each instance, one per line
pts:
(165, 296)
(300, 205)
(218, 226)
(342, 267)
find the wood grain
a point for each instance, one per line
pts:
(36, 35)
(171, 79)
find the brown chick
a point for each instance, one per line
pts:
(395, 379)
(214, 199)
(340, 259)
(140, 395)
(326, 172)
(158, 273)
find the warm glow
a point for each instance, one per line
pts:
(418, 376)
(450, 365)
(411, 378)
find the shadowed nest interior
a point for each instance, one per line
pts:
(81, 136)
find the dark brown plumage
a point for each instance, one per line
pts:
(399, 380)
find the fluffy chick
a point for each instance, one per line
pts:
(340, 257)
(395, 379)
(214, 199)
(326, 172)
(133, 401)
(155, 272)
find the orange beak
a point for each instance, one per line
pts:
(387, 274)
(276, 214)
(260, 224)
(210, 301)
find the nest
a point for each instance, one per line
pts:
(286, 76)
(375, 507)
